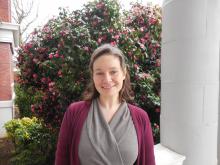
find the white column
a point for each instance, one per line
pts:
(218, 153)
(190, 79)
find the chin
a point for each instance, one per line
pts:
(108, 93)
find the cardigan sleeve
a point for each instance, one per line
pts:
(62, 152)
(148, 143)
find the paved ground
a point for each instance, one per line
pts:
(6, 148)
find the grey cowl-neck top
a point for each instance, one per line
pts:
(113, 143)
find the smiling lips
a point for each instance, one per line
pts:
(108, 87)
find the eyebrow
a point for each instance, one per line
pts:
(98, 69)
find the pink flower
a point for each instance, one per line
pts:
(59, 73)
(56, 55)
(45, 97)
(32, 108)
(146, 75)
(136, 66)
(100, 5)
(28, 45)
(136, 78)
(157, 62)
(62, 33)
(141, 29)
(113, 43)
(147, 36)
(143, 40)
(43, 80)
(129, 54)
(157, 45)
(86, 48)
(50, 56)
(99, 40)
(48, 37)
(35, 60)
(142, 46)
(154, 51)
(110, 30)
(46, 29)
(152, 21)
(116, 37)
(34, 76)
(104, 37)
(51, 84)
(156, 126)
(157, 110)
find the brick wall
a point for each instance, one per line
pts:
(5, 72)
(5, 11)
(6, 78)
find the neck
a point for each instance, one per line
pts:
(109, 103)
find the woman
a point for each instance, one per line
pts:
(104, 129)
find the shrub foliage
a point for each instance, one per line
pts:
(54, 63)
(32, 140)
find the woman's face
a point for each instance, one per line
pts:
(108, 75)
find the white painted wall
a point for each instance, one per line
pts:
(9, 33)
(6, 114)
(190, 79)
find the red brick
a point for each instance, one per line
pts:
(6, 76)
(5, 52)
(5, 93)
(5, 10)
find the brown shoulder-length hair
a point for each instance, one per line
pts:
(126, 93)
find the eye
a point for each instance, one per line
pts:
(99, 73)
(114, 72)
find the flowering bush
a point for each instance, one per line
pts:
(53, 65)
(33, 142)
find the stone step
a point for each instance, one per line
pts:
(165, 156)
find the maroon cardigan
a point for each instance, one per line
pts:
(70, 131)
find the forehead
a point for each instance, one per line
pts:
(107, 60)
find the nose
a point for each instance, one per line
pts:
(107, 77)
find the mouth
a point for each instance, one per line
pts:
(107, 87)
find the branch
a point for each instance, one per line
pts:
(26, 38)
(29, 8)
(17, 7)
(26, 27)
(22, 11)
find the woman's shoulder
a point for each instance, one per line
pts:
(78, 106)
(137, 110)
(138, 113)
